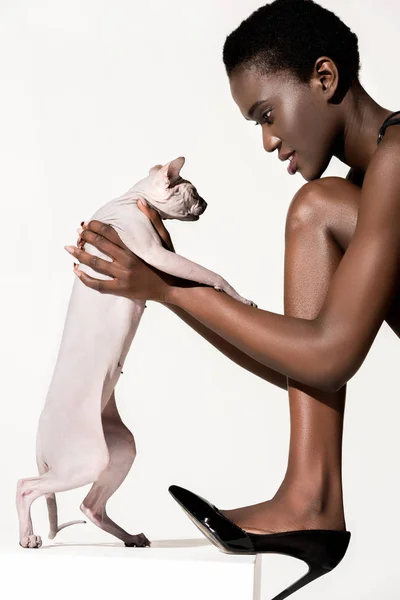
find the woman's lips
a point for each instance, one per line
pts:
(292, 166)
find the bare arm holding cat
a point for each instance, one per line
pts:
(325, 352)
(237, 356)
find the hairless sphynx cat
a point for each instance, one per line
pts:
(81, 438)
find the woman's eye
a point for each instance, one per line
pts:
(266, 118)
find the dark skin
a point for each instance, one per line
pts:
(334, 306)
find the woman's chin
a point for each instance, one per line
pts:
(311, 175)
(304, 174)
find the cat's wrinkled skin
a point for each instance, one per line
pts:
(81, 438)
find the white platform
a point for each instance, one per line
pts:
(187, 569)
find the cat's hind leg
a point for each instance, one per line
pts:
(52, 505)
(122, 451)
(31, 488)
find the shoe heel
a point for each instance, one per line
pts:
(313, 573)
(321, 550)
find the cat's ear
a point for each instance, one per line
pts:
(154, 169)
(170, 171)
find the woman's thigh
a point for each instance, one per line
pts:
(332, 203)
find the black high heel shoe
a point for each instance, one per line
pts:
(321, 549)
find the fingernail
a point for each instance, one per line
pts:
(85, 224)
(70, 249)
(79, 230)
(143, 202)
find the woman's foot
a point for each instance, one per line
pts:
(291, 511)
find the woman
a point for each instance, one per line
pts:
(304, 91)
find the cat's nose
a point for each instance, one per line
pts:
(201, 206)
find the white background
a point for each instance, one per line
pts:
(93, 94)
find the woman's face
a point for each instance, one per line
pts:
(292, 116)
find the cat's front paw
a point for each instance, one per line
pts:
(224, 287)
(249, 302)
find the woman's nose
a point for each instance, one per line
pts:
(270, 142)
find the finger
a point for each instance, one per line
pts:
(150, 212)
(80, 242)
(120, 253)
(94, 262)
(164, 235)
(158, 225)
(169, 244)
(104, 230)
(99, 285)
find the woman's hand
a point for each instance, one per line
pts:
(158, 225)
(132, 277)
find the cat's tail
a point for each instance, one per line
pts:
(52, 503)
(53, 517)
(43, 468)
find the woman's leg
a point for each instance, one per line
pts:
(320, 224)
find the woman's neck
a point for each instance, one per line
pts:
(362, 118)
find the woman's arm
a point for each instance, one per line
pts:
(240, 358)
(324, 352)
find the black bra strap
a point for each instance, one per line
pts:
(386, 124)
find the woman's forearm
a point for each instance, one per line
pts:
(291, 346)
(240, 358)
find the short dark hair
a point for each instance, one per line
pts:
(290, 35)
